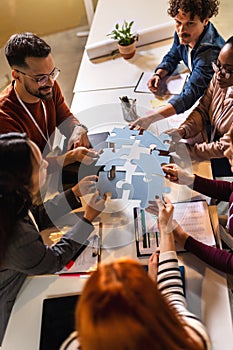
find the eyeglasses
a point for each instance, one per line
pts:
(43, 79)
(226, 73)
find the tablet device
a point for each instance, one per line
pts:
(57, 321)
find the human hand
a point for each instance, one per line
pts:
(179, 234)
(178, 175)
(165, 214)
(85, 186)
(176, 134)
(83, 155)
(94, 206)
(153, 83)
(78, 138)
(153, 266)
(143, 123)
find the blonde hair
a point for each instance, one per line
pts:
(121, 308)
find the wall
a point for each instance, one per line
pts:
(41, 17)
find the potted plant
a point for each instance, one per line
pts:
(125, 38)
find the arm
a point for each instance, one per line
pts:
(199, 117)
(69, 125)
(212, 188)
(28, 254)
(218, 258)
(169, 278)
(170, 285)
(202, 73)
(46, 214)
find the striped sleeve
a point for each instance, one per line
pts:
(170, 285)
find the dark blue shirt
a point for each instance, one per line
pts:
(204, 52)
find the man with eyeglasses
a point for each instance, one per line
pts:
(33, 103)
(213, 116)
(196, 43)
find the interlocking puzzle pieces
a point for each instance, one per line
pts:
(126, 136)
(142, 176)
(148, 179)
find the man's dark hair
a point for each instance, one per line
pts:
(21, 46)
(201, 8)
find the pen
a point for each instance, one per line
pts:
(157, 238)
(100, 240)
(143, 221)
(81, 275)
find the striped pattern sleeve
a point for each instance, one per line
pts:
(170, 285)
(71, 343)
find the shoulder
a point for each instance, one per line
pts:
(211, 37)
(8, 97)
(71, 343)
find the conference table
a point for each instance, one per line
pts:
(100, 82)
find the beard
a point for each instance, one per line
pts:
(41, 92)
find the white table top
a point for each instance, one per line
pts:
(116, 72)
(109, 12)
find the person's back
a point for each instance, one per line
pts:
(122, 308)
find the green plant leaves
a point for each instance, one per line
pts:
(123, 34)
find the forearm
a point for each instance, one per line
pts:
(220, 259)
(166, 240)
(48, 213)
(162, 112)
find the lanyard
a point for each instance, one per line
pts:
(47, 139)
(33, 219)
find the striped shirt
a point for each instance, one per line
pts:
(170, 285)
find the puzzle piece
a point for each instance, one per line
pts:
(110, 158)
(148, 165)
(143, 177)
(105, 185)
(126, 136)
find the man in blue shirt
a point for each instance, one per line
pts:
(197, 43)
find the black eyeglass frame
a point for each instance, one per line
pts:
(43, 79)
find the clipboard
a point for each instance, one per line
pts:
(146, 232)
(193, 216)
(170, 85)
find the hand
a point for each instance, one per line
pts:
(82, 155)
(143, 123)
(94, 207)
(153, 83)
(178, 175)
(165, 215)
(153, 266)
(85, 186)
(78, 138)
(176, 134)
(179, 234)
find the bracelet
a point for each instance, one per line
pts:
(83, 126)
(158, 75)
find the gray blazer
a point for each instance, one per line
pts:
(27, 254)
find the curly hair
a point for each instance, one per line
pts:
(201, 8)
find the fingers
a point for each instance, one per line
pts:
(154, 258)
(171, 172)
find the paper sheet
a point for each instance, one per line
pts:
(173, 85)
(192, 216)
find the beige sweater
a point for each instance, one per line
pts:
(216, 108)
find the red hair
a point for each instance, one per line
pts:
(121, 308)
